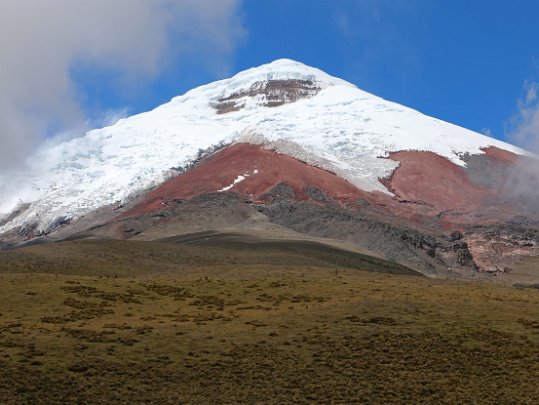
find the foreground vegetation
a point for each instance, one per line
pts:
(260, 333)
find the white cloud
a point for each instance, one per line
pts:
(531, 92)
(41, 42)
(486, 131)
(522, 183)
(524, 126)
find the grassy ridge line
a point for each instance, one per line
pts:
(131, 258)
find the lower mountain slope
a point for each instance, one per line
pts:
(441, 219)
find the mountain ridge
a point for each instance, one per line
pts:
(113, 163)
(286, 146)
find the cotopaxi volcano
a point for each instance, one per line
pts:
(287, 151)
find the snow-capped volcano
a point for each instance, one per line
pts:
(295, 109)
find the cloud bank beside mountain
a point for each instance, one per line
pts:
(522, 183)
(42, 41)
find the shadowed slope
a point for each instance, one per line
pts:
(186, 254)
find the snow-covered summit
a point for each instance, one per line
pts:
(280, 69)
(294, 108)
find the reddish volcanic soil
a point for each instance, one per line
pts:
(501, 155)
(263, 169)
(434, 180)
(425, 184)
(446, 190)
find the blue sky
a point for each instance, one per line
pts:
(462, 61)
(71, 65)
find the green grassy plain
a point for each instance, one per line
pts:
(123, 322)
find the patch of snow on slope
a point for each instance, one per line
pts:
(342, 129)
(237, 180)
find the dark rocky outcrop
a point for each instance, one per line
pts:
(273, 93)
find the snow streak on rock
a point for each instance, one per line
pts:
(237, 180)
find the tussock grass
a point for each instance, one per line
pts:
(265, 333)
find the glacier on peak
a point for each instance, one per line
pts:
(338, 127)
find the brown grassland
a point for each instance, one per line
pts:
(142, 322)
